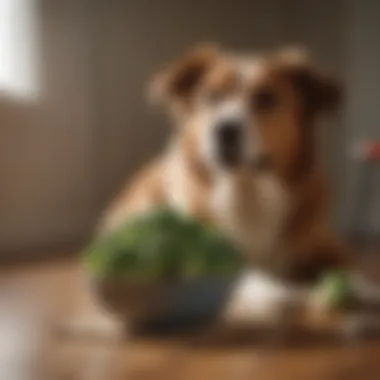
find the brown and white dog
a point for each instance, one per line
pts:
(244, 157)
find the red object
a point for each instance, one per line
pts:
(374, 151)
(367, 151)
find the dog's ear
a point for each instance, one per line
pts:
(179, 80)
(320, 92)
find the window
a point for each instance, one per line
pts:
(18, 48)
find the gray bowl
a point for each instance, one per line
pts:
(187, 301)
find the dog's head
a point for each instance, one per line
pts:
(256, 112)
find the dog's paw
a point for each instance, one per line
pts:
(259, 298)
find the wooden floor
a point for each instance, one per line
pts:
(35, 299)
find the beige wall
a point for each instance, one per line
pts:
(363, 98)
(46, 148)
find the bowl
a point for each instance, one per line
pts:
(172, 302)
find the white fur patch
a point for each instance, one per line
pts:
(250, 69)
(254, 216)
(177, 181)
(231, 109)
(259, 297)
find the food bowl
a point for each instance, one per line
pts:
(163, 266)
(185, 301)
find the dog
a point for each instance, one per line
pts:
(243, 157)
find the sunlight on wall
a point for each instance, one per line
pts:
(19, 48)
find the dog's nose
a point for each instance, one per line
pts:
(229, 133)
(228, 140)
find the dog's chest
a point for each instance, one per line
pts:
(252, 213)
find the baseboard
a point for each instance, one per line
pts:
(42, 252)
(74, 247)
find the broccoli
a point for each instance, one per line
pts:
(335, 288)
(160, 245)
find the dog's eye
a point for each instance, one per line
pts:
(265, 99)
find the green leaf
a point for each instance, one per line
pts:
(335, 288)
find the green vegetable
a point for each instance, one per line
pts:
(162, 244)
(335, 289)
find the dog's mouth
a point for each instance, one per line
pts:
(262, 163)
(229, 157)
